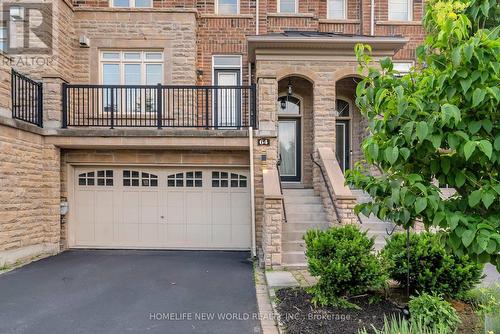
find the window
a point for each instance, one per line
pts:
(220, 179)
(400, 10)
(227, 7)
(134, 179)
(3, 39)
(288, 105)
(131, 67)
(336, 9)
(175, 180)
(287, 6)
(132, 3)
(100, 178)
(342, 108)
(194, 179)
(402, 68)
(238, 180)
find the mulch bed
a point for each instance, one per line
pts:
(300, 317)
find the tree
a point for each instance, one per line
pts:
(438, 125)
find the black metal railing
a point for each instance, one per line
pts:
(27, 99)
(225, 107)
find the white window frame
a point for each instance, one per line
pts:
(410, 64)
(3, 39)
(328, 10)
(217, 8)
(278, 8)
(121, 61)
(227, 66)
(132, 4)
(409, 10)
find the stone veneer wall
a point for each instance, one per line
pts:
(29, 190)
(5, 97)
(145, 157)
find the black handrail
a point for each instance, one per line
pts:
(27, 99)
(278, 163)
(160, 106)
(327, 187)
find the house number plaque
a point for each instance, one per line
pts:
(263, 142)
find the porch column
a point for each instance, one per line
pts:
(324, 115)
(52, 101)
(267, 97)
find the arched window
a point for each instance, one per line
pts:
(343, 108)
(289, 105)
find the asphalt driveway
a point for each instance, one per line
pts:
(112, 291)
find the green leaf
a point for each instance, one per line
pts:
(474, 126)
(449, 111)
(373, 151)
(422, 130)
(478, 96)
(468, 49)
(391, 154)
(438, 217)
(420, 204)
(487, 125)
(445, 165)
(497, 143)
(465, 84)
(474, 198)
(469, 148)
(487, 198)
(486, 147)
(386, 63)
(436, 141)
(492, 246)
(459, 179)
(405, 153)
(456, 56)
(468, 237)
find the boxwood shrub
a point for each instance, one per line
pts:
(343, 260)
(433, 268)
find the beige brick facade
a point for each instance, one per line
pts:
(29, 190)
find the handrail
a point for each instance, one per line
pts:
(327, 187)
(281, 188)
(26, 99)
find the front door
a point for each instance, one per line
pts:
(289, 149)
(343, 145)
(227, 100)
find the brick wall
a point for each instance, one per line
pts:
(29, 190)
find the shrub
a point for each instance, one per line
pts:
(343, 260)
(403, 326)
(433, 312)
(486, 301)
(433, 268)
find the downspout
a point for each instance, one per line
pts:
(372, 17)
(256, 17)
(252, 192)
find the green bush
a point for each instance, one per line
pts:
(433, 312)
(433, 268)
(403, 326)
(486, 301)
(343, 260)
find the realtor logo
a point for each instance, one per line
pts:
(26, 28)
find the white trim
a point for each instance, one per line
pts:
(216, 9)
(121, 62)
(278, 8)
(227, 66)
(344, 3)
(409, 9)
(132, 4)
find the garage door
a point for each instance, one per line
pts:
(132, 207)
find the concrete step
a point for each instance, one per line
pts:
(298, 192)
(376, 226)
(293, 236)
(292, 200)
(295, 266)
(291, 226)
(294, 257)
(294, 246)
(304, 208)
(306, 217)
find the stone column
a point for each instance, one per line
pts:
(267, 93)
(5, 93)
(272, 233)
(52, 101)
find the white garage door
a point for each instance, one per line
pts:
(140, 207)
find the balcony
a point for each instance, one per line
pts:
(159, 106)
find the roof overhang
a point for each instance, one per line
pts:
(333, 44)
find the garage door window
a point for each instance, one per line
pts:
(175, 180)
(194, 179)
(103, 177)
(238, 181)
(133, 178)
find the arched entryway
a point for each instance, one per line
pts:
(349, 125)
(294, 110)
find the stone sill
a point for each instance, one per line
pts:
(235, 16)
(135, 10)
(347, 21)
(399, 23)
(291, 15)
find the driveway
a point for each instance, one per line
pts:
(113, 291)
